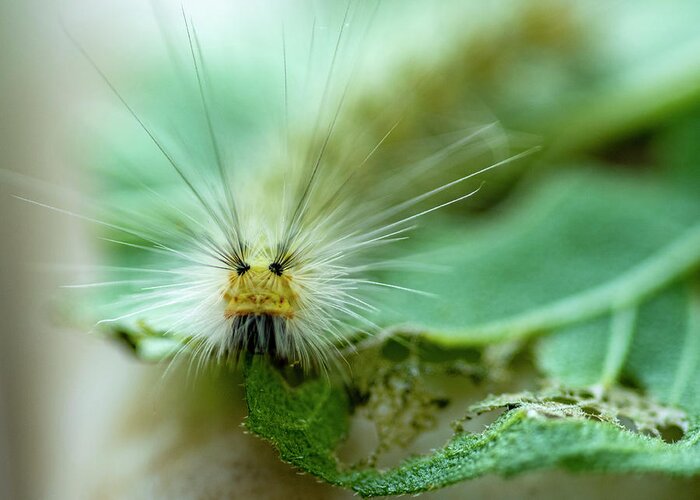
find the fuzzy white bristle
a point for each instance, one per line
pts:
(273, 252)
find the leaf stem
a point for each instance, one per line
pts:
(622, 327)
(691, 347)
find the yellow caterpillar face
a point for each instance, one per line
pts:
(260, 290)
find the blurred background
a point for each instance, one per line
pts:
(601, 80)
(48, 403)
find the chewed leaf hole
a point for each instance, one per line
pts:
(672, 433)
(406, 393)
(627, 423)
(619, 406)
(476, 423)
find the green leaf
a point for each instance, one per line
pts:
(659, 351)
(305, 423)
(600, 262)
(576, 247)
(149, 345)
(678, 148)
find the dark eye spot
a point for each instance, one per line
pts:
(276, 268)
(242, 269)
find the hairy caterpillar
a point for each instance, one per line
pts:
(271, 248)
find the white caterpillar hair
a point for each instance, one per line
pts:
(274, 252)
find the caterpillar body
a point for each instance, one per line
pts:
(272, 248)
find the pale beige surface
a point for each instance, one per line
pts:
(181, 437)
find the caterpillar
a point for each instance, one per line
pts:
(266, 241)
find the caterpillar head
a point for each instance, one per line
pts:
(289, 304)
(260, 290)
